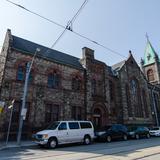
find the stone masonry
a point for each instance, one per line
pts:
(99, 95)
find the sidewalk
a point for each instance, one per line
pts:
(14, 144)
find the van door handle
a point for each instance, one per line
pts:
(67, 133)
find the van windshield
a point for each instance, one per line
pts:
(53, 126)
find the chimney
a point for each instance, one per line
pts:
(9, 35)
(87, 53)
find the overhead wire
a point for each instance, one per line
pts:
(68, 28)
(68, 25)
(78, 12)
(49, 20)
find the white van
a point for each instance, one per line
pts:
(62, 132)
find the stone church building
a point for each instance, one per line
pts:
(63, 87)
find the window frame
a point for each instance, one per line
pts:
(54, 80)
(50, 114)
(20, 73)
(71, 128)
(60, 129)
(76, 83)
(23, 73)
(85, 127)
(150, 75)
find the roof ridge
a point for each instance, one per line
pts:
(29, 47)
(45, 46)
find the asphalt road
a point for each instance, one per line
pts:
(143, 149)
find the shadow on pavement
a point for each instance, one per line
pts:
(120, 148)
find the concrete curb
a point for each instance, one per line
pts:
(14, 145)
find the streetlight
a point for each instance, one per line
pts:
(24, 109)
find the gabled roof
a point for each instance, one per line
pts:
(29, 47)
(150, 54)
(118, 66)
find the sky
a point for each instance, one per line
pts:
(120, 25)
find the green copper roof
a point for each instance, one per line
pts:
(149, 55)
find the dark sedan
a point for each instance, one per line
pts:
(138, 132)
(116, 131)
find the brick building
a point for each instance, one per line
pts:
(63, 87)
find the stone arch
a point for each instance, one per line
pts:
(99, 115)
(53, 69)
(23, 62)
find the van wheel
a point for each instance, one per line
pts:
(125, 137)
(109, 138)
(87, 140)
(148, 135)
(52, 143)
(137, 136)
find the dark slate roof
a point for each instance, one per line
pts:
(29, 47)
(117, 66)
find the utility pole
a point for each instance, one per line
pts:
(10, 121)
(24, 109)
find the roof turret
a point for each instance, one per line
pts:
(150, 55)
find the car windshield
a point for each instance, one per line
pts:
(108, 128)
(155, 129)
(105, 128)
(53, 126)
(130, 129)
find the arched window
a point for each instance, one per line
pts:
(130, 112)
(134, 87)
(93, 85)
(136, 98)
(53, 80)
(20, 73)
(150, 75)
(76, 83)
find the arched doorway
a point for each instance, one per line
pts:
(99, 116)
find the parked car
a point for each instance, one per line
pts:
(138, 132)
(62, 132)
(155, 131)
(116, 131)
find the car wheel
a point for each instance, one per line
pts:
(137, 136)
(87, 140)
(148, 135)
(52, 143)
(125, 137)
(109, 139)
